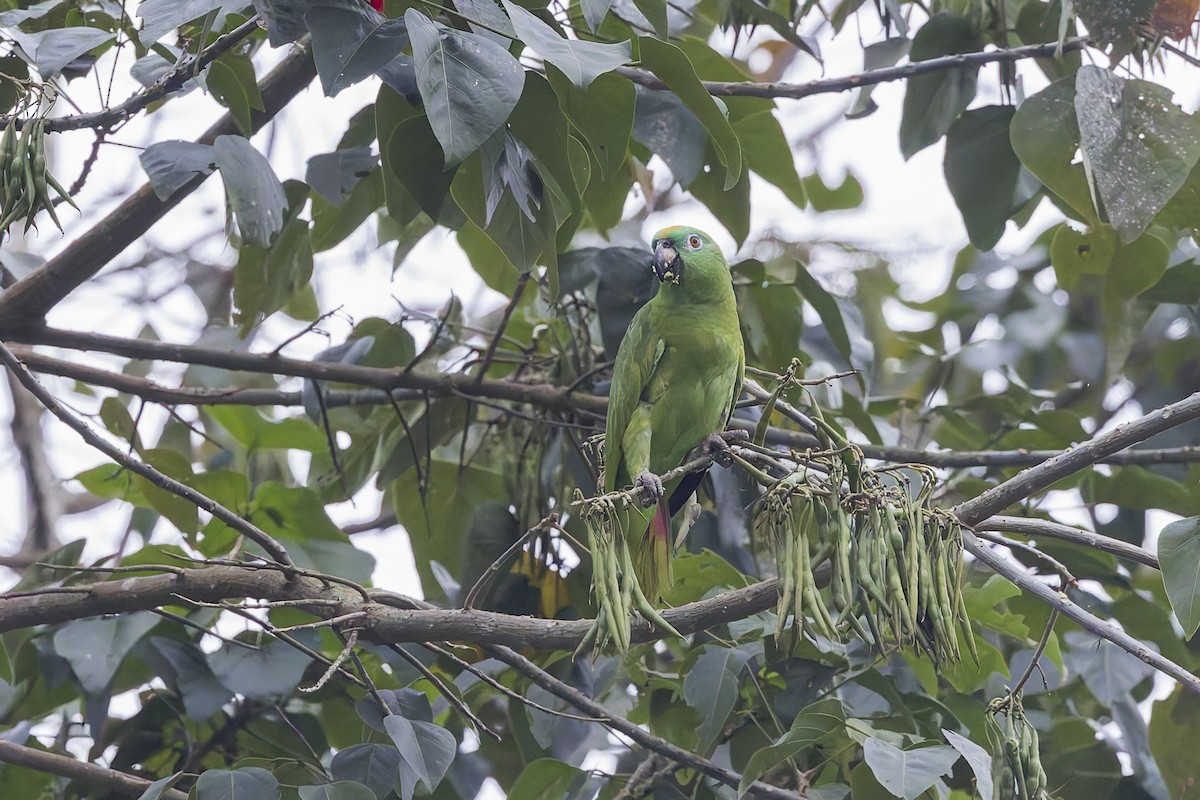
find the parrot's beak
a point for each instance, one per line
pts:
(668, 266)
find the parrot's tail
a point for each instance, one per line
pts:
(654, 555)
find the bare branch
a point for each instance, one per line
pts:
(88, 774)
(247, 529)
(1079, 457)
(171, 82)
(1059, 601)
(1056, 530)
(795, 91)
(388, 618)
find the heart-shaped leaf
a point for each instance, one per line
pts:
(469, 84)
(908, 773)
(1179, 554)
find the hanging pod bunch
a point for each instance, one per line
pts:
(1016, 761)
(788, 515)
(25, 181)
(895, 563)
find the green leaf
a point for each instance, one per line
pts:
(173, 164)
(53, 49)
(255, 432)
(525, 243)
(334, 175)
(232, 81)
(250, 783)
(338, 790)
(293, 513)
(181, 512)
(96, 647)
(372, 765)
(271, 670)
(814, 725)
(908, 773)
(711, 687)
(426, 751)
(160, 17)
(352, 41)
(1174, 730)
(979, 759)
(1045, 136)
(255, 194)
(1108, 671)
(545, 779)
(672, 66)
(1179, 284)
(581, 61)
(983, 173)
(933, 102)
(1138, 146)
(1179, 555)
(332, 224)
(155, 790)
(847, 195)
(603, 114)
(1110, 22)
(469, 84)
(827, 309)
(1076, 253)
(768, 153)
(1137, 488)
(265, 279)
(186, 671)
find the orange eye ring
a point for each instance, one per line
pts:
(694, 242)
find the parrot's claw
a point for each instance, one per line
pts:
(719, 445)
(650, 489)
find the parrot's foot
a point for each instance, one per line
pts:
(719, 445)
(650, 489)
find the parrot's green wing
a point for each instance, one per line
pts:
(637, 358)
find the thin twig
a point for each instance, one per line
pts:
(100, 779)
(490, 573)
(1045, 528)
(201, 501)
(1037, 652)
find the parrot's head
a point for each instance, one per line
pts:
(679, 249)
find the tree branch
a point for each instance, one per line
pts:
(635, 732)
(244, 527)
(90, 775)
(795, 91)
(1076, 458)
(173, 81)
(389, 617)
(1058, 600)
(28, 300)
(1055, 530)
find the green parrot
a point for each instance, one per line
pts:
(677, 376)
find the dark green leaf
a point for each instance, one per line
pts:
(982, 172)
(1174, 730)
(711, 687)
(160, 17)
(813, 726)
(338, 790)
(426, 751)
(481, 13)
(255, 193)
(352, 41)
(1138, 145)
(545, 779)
(469, 84)
(1179, 555)
(231, 80)
(768, 153)
(1074, 253)
(665, 125)
(96, 647)
(933, 102)
(603, 114)
(375, 766)
(414, 157)
(250, 783)
(271, 670)
(265, 279)
(827, 309)
(332, 224)
(255, 432)
(172, 164)
(187, 672)
(1045, 136)
(672, 66)
(334, 175)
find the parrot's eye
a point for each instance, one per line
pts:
(694, 242)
